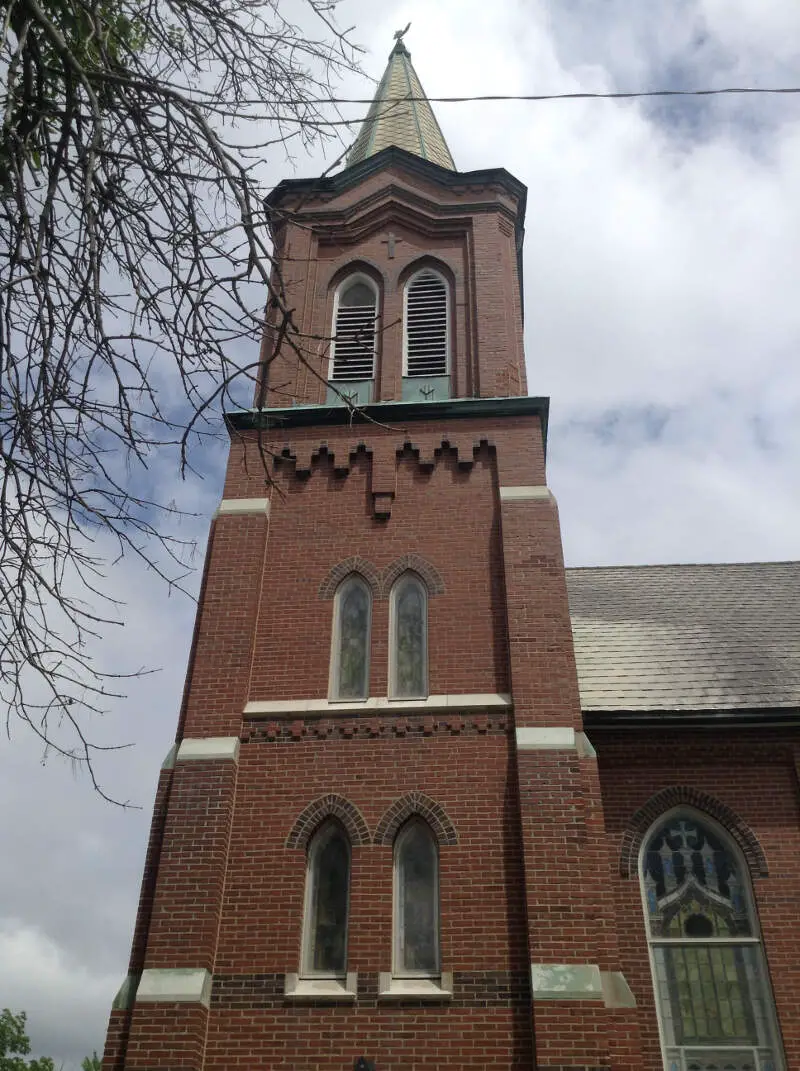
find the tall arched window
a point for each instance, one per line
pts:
(416, 902)
(712, 990)
(408, 638)
(427, 333)
(354, 330)
(326, 904)
(352, 614)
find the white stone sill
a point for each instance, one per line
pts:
(382, 704)
(391, 988)
(329, 990)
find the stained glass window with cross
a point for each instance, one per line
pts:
(712, 989)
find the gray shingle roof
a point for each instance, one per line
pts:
(687, 637)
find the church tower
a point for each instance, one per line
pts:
(378, 838)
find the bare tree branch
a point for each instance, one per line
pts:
(135, 258)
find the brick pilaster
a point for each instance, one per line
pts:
(576, 984)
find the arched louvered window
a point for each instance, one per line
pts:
(427, 333)
(715, 1007)
(416, 902)
(352, 614)
(326, 903)
(408, 638)
(354, 330)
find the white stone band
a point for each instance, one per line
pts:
(326, 707)
(580, 981)
(242, 506)
(204, 749)
(391, 988)
(330, 990)
(566, 981)
(181, 986)
(524, 494)
(555, 739)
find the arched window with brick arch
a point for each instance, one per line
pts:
(416, 951)
(355, 313)
(712, 989)
(408, 638)
(327, 897)
(352, 618)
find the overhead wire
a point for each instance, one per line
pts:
(583, 95)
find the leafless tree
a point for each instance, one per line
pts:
(134, 267)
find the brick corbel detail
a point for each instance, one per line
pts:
(415, 803)
(561, 812)
(355, 564)
(682, 796)
(413, 563)
(330, 806)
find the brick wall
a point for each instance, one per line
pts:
(756, 777)
(468, 233)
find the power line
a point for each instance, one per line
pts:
(728, 90)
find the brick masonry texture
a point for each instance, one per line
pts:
(538, 849)
(464, 234)
(756, 779)
(485, 989)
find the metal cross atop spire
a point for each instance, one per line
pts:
(401, 115)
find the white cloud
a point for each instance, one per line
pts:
(66, 1002)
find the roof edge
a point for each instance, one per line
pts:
(355, 173)
(738, 717)
(299, 416)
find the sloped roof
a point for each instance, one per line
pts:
(687, 637)
(401, 115)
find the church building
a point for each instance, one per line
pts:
(434, 800)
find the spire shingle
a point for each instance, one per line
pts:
(401, 115)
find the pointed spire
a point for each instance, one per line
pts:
(401, 115)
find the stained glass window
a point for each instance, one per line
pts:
(409, 669)
(325, 943)
(416, 901)
(352, 612)
(708, 964)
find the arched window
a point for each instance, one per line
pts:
(354, 330)
(427, 333)
(326, 904)
(352, 614)
(712, 989)
(408, 638)
(416, 902)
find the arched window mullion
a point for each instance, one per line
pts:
(408, 638)
(350, 640)
(709, 973)
(327, 904)
(416, 937)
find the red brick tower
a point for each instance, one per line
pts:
(379, 831)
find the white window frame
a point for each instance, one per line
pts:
(336, 632)
(448, 333)
(755, 941)
(409, 574)
(398, 970)
(315, 846)
(345, 284)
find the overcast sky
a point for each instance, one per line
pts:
(662, 318)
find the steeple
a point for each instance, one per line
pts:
(401, 115)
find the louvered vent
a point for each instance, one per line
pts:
(354, 339)
(426, 326)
